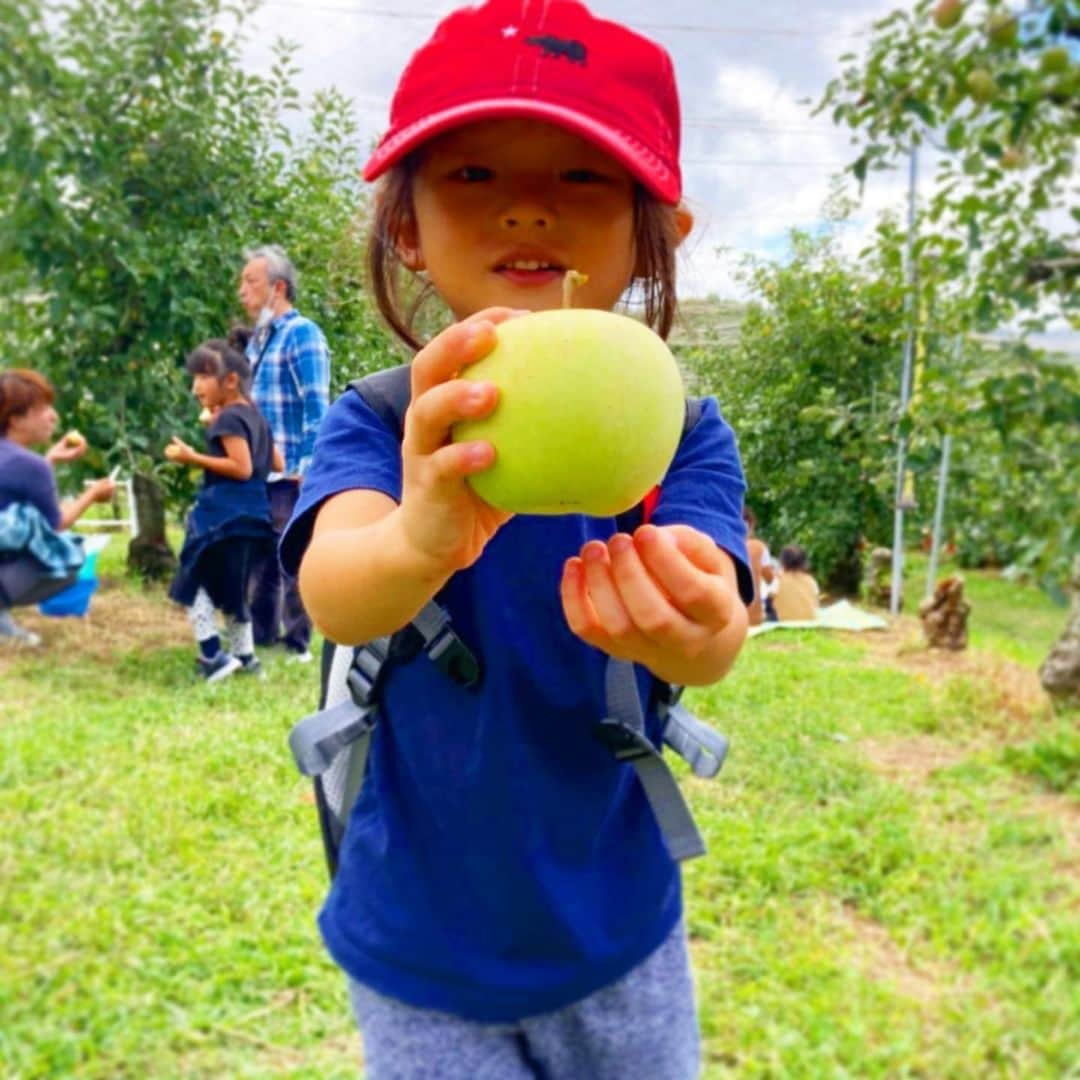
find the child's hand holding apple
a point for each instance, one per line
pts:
(178, 451)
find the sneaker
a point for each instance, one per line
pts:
(299, 656)
(221, 667)
(249, 665)
(14, 634)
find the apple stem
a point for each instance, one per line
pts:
(571, 280)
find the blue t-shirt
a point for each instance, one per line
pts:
(27, 477)
(499, 862)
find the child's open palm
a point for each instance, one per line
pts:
(663, 598)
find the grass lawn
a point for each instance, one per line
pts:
(892, 887)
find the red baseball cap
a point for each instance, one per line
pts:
(548, 59)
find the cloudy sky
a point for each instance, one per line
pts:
(755, 161)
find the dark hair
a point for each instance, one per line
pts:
(749, 517)
(794, 557)
(239, 336)
(20, 391)
(218, 358)
(656, 236)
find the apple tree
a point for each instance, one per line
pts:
(810, 385)
(994, 91)
(139, 160)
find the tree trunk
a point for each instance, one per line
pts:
(149, 554)
(879, 578)
(847, 575)
(945, 614)
(1060, 671)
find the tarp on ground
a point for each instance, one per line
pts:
(839, 616)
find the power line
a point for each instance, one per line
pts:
(682, 28)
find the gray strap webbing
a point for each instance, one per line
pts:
(319, 737)
(350, 712)
(699, 745)
(623, 732)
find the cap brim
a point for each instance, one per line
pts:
(641, 162)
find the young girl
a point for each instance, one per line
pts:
(504, 904)
(230, 523)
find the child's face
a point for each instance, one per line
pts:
(505, 207)
(210, 390)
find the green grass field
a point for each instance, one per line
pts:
(892, 887)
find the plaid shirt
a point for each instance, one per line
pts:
(291, 385)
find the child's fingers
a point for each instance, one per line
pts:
(688, 567)
(430, 417)
(457, 346)
(611, 613)
(577, 606)
(654, 619)
(451, 463)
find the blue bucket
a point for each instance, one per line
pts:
(75, 599)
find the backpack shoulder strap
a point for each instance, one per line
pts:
(695, 406)
(622, 731)
(388, 393)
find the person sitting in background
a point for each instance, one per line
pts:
(796, 596)
(29, 503)
(761, 565)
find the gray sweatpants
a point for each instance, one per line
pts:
(644, 1025)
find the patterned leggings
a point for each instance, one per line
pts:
(203, 620)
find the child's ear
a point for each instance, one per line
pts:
(407, 246)
(684, 221)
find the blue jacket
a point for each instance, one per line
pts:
(24, 530)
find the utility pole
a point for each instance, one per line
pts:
(905, 390)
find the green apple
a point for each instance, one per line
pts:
(948, 13)
(589, 417)
(981, 85)
(1003, 28)
(1055, 61)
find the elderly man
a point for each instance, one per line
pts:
(291, 387)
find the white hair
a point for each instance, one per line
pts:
(279, 267)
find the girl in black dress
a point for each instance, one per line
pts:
(229, 526)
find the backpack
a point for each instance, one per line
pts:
(331, 744)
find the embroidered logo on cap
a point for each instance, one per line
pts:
(554, 47)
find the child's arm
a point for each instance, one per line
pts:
(667, 598)
(372, 563)
(236, 465)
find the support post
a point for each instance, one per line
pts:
(905, 391)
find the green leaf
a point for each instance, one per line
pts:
(920, 109)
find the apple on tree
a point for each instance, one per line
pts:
(948, 13)
(1003, 29)
(981, 86)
